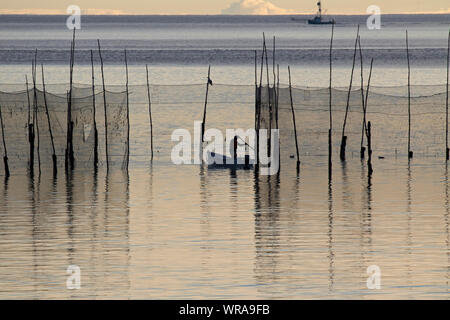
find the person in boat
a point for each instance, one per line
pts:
(233, 151)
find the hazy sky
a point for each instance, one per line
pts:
(222, 6)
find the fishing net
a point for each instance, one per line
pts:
(52, 127)
(387, 110)
(15, 114)
(229, 107)
(116, 129)
(47, 113)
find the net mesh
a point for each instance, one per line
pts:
(229, 106)
(47, 113)
(387, 110)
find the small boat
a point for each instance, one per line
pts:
(229, 163)
(318, 18)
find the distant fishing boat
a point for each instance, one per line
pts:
(318, 18)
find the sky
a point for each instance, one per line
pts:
(222, 6)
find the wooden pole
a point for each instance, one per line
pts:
(262, 60)
(128, 112)
(55, 166)
(276, 115)
(104, 106)
(293, 120)
(36, 119)
(270, 104)
(363, 149)
(28, 98)
(273, 63)
(5, 154)
(276, 89)
(257, 111)
(260, 98)
(150, 113)
(256, 89)
(256, 69)
(330, 147)
(368, 87)
(277, 98)
(94, 113)
(206, 102)
(264, 55)
(410, 153)
(344, 137)
(69, 152)
(369, 146)
(267, 63)
(30, 128)
(369, 128)
(447, 150)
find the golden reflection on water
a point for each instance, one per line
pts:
(189, 232)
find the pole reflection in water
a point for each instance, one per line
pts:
(184, 231)
(267, 233)
(116, 230)
(447, 220)
(278, 234)
(409, 273)
(205, 226)
(330, 236)
(62, 221)
(366, 233)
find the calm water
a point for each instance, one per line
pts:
(166, 231)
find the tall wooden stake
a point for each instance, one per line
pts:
(276, 114)
(128, 112)
(260, 97)
(30, 128)
(267, 65)
(150, 113)
(208, 82)
(55, 165)
(410, 153)
(369, 152)
(257, 111)
(5, 151)
(94, 113)
(271, 102)
(273, 64)
(36, 119)
(363, 149)
(330, 147)
(369, 126)
(256, 90)
(293, 120)
(70, 161)
(344, 137)
(256, 69)
(262, 60)
(447, 150)
(104, 106)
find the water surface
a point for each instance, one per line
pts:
(166, 231)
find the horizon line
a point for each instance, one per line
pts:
(107, 12)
